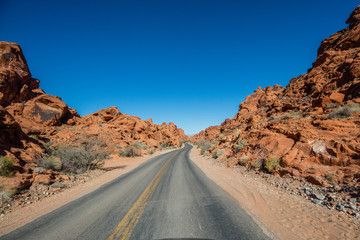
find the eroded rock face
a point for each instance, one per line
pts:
(313, 124)
(123, 129)
(16, 82)
(29, 118)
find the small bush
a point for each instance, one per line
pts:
(74, 159)
(79, 160)
(240, 145)
(257, 164)
(50, 162)
(330, 177)
(216, 154)
(140, 145)
(5, 197)
(130, 151)
(151, 151)
(243, 161)
(291, 115)
(344, 111)
(272, 164)
(6, 164)
(205, 148)
(33, 136)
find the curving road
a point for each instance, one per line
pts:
(167, 197)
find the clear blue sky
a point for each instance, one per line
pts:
(191, 62)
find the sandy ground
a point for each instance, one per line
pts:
(285, 215)
(115, 167)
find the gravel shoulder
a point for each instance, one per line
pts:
(286, 216)
(115, 167)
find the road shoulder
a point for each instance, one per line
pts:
(285, 215)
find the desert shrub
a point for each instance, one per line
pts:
(205, 148)
(74, 158)
(291, 115)
(217, 153)
(5, 197)
(33, 136)
(140, 145)
(50, 162)
(236, 132)
(78, 159)
(151, 150)
(240, 145)
(330, 177)
(6, 164)
(163, 145)
(257, 164)
(214, 154)
(272, 164)
(243, 161)
(130, 151)
(344, 111)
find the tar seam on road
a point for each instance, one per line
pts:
(127, 225)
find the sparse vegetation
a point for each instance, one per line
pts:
(204, 146)
(164, 146)
(240, 145)
(217, 153)
(236, 132)
(140, 145)
(151, 151)
(6, 164)
(5, 197)
(272, 164)
(291, 115)
(34, 136)
(134, 150)
(257, 164)
(214, 154)
(130, 151)
(243, 161)
(344, 111)
(50, 162)
(330, 177)
(74, 158)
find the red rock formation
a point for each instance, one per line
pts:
(313, 124)
(123, 129)
(29, 117)
(16, 82)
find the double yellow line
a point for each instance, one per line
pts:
(128, 223)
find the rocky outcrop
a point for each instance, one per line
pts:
(312, 125)
(123, 129)
(30, 118)
(16, 83)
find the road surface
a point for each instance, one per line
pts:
(167, 197)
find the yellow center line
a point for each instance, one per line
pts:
(128, 223)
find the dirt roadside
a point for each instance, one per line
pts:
(24, 215)
(285, 215)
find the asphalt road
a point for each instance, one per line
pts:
(167, 197)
